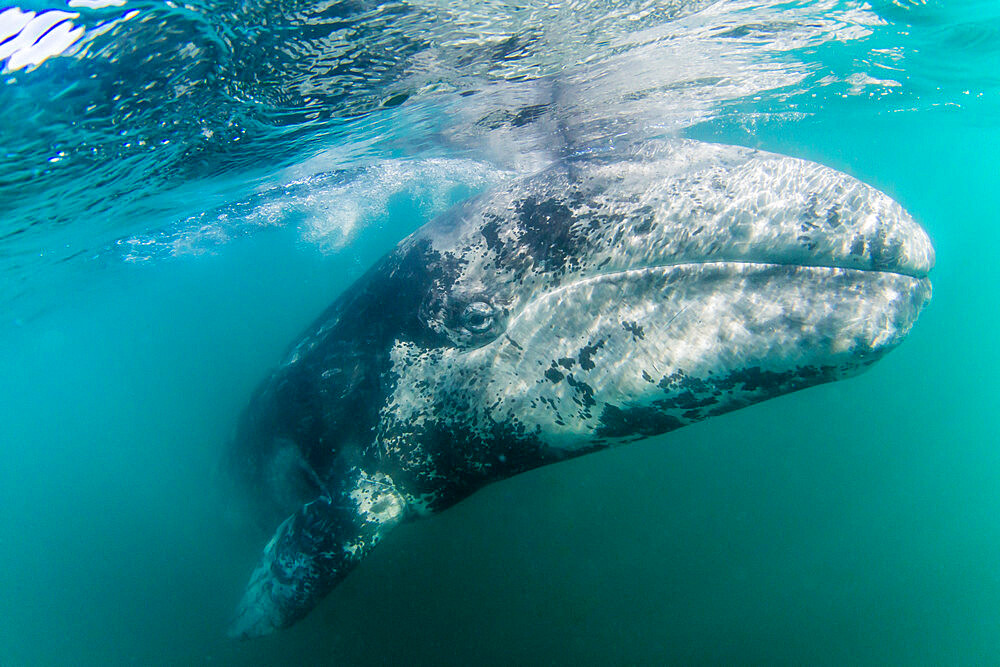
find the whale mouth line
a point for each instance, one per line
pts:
(915, 274)
(918, 277)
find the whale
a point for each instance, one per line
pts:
(609, 298)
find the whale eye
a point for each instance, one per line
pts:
(478, 317)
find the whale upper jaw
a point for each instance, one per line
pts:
(718, 203)
(669, 203)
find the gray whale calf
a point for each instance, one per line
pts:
(601, 301)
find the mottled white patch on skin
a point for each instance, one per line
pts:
(377, 498)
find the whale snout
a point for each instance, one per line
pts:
(885, 238)
(899, 245)
(702, 203)
(779, 210)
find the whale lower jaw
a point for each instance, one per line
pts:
(719, 335)
(639, 352)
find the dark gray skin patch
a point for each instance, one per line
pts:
(759, 384)
(858, 246)
(679, 380)
(553, 374)
(567, 362)
(584, 394)
(686, 400)
(755, 378)
(616, 422)
(586, 354)
(538, 234)
(884, 254)
(449, 464)
(547, 233)
(635, 329)
(514, 343)
(528, 114)
(643, 222)
(833, 217)
(692, 397)
(811, 217)
(751, 379)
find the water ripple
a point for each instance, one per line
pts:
(124, 117)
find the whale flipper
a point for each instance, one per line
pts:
(312, 551)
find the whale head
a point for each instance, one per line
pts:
(612, 299)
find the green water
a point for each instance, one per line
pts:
(852, 523)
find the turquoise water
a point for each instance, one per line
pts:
(146, 292)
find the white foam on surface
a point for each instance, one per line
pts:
(36, 40)
(330, 210)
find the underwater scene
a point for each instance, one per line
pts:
(283, 281)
